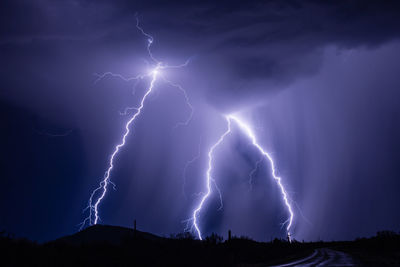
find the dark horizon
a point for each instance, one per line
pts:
(316, 81)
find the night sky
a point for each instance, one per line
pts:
(318, 82)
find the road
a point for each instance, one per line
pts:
(324, 257)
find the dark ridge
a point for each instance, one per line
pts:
(103, 245)
(109, 234)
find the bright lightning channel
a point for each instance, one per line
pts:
(209, 179)
(101, 191)
(247, 130)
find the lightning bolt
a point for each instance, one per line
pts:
(53, 134)
(253, 172)
(98, 194)
(209, 179)
(247, 130)
(187, 166)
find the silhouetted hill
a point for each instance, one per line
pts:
(102, 245)
(114, 235)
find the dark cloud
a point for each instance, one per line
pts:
(277, 35)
